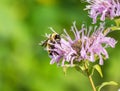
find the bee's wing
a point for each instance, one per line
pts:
(44, 43)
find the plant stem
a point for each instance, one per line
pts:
(90, 78)
(92, 83)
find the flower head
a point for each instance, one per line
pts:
(103, 8)
(84, 46)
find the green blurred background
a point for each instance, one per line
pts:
(24, 65)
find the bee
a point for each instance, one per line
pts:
(49, 43)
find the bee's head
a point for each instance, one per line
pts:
(55, 36)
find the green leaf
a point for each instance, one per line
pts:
(65, 70)
(98, 68)
(65, 67)
(117, 21)
(105, 84)
(81, 69)
(78, 69)
(115, 28)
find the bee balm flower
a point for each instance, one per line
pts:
(103, 8)
(84, 46)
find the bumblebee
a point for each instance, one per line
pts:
(49, 43)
